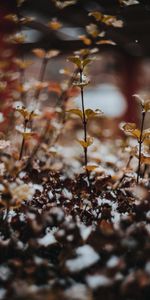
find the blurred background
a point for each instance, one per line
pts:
(122, 69)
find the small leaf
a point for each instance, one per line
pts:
(76, 60)
(106, 42)
(77, 112)
(51, 53)
(90, 168)
(146, 134)
(85, 40)
(91, 113)
(130, 128)
(97, 15)
(54, 24)
(87, 143)
(145, 159)
(40, 53)
(144, 101)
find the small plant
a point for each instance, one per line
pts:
(142, 136)
(85, 114)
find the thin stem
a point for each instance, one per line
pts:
(140, 147)
(84, 120)
(41, 75)
(123, 176)
(23, 140)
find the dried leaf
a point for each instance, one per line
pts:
(106, 42)
(54, 24)
(76, 112)
(40, 53)
(87, 143)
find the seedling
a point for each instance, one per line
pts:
(85, 114)
(142, 136)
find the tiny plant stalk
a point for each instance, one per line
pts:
(84, 120)
(23, 140)
(140, 147)
(41, 75)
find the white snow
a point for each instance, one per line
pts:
(47, 240)
(113, 261)
(86, 257)
(95, 281)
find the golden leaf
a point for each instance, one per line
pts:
(90, 167)
(85, 40)
(40, 53)
(144, 101)
(76, 60)
(77, 112)
(54, 24)
(130, 128)
(106, 42)
(92, 29)
(51, 53)
(87, 143)
(91, 113)
(97, 15)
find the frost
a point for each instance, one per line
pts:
(2, 293)
(113, 262)
(47, 240)
(85, 231)
(77, 291)
(50, 195)
(38, 187)
(4, 273)
(95, 281)
(67, 194)
(86, 257)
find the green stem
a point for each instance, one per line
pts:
(140, 147)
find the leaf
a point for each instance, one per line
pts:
(54, 24)
(51, 53)
(128, 2)
(85, 40)
(90, 167)
(106, 19)
(97, 15)
(22, 64)
(91, 113)
(130, 128)
(92, 30)
(40, 53)
(12, 18)
(76, 60)
(106, 42)
(63, 4)
(144, 101)
(86, 61)
(146, 134)
(145, 159)
(87, 143)
(77, 112)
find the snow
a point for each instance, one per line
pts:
(77, 291)
(67, 194)
(147, 267)
(2, 293)
(38, 187)
(113, 262)
(47, 240)
(86, 257)
(85, 231)
(96, 281)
